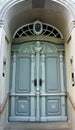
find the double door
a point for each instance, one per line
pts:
(37, 90)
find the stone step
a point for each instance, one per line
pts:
(38, 126)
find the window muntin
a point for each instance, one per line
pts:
(47, 29)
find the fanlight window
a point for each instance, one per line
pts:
(37, 28)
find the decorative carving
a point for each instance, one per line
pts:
(36, 47)
(49, 48)
(61, 56)
(25, 48)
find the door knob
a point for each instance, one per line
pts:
(40, 82)
(35, 82)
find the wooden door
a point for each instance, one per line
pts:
(37, 91)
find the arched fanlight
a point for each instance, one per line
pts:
(37, 28)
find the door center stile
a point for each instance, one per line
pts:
(37, 50)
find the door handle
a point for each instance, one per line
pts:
(35, 82)
(40, 82)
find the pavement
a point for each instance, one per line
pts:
(38, 126)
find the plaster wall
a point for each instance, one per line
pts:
(70, 55)
(4, 76)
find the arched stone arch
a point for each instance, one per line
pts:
(16, 13)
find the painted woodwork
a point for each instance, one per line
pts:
(37, 91)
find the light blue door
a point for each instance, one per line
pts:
(37, 91)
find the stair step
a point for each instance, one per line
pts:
(38, 126)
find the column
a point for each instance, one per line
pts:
(1, 62)
(37, 89)
(13, 84)
(32, 88)
(62, 82)
(43, 109)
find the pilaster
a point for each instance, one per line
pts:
(13, 83)
(32, 88)
(1, 35)
(61, 60)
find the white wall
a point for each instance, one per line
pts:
(70, 54)
(4, 81)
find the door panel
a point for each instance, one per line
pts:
(23, 74)
(22, 106)
(53, 106)
(52, 74)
